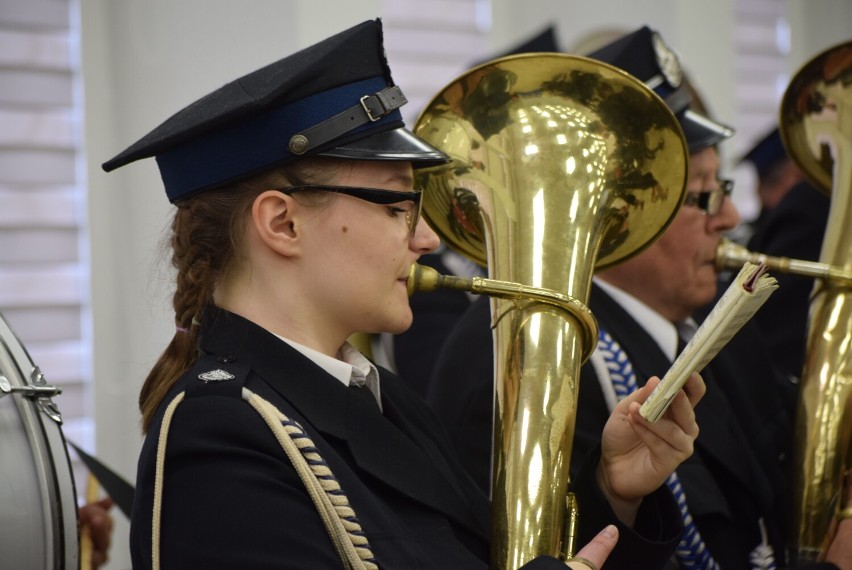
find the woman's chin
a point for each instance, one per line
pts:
(401, 324)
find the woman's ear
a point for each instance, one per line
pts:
(273, 217)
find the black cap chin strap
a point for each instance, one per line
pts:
(370, 109)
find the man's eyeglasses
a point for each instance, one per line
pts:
(710, 201)
(374, 195)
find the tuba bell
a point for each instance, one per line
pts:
(561, 164)
(816, 127)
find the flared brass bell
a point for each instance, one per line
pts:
(560, 165)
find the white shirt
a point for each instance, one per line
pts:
(351, 367)
(661, 329)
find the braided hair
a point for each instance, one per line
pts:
(203, 254)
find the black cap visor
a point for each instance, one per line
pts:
(702, 132)
(395, 144)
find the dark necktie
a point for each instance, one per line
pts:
(681, 344)
(366, 394)
(691, 552)
(685, 332)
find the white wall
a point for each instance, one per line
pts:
(816, 26)
(144, 60)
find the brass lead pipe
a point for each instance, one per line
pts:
(426, 279)
(730, 255)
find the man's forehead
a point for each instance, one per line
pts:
(704, 163)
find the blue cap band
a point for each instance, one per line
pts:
(261, 142)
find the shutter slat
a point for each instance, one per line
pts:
(761, 68)
(39, 206)
(41, 50)
(49, 285)
(44, 128)
(45, 324)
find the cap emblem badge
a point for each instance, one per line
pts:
(668, 61)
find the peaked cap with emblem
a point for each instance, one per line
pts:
(335, 98)
(644, 55)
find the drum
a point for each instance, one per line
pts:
(38, 507)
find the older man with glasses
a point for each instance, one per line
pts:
(732, 490)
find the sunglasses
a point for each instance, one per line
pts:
(710, 201)
(375, 196)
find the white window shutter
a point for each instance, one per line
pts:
(43, 277)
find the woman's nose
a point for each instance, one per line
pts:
(424, 240)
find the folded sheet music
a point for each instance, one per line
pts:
(740, 302)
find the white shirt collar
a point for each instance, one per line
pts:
(661, 329)
(351, 367)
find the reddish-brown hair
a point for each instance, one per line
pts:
(202, 255)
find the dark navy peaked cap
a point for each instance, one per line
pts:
(335, 98)
(544, 41)
(766, 153)
(644, 55)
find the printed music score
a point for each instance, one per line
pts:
(744, 297)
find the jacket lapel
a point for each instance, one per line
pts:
(396, 450)
(387, 446)
(724, 443)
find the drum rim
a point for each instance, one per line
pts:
(50, 454)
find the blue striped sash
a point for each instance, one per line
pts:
(691, 552)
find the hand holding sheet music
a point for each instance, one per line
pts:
(743, 298)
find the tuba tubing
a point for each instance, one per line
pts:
(731, 255)
(547, 182)
(426, 279)
(816, 128)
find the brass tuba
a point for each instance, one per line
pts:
(560, 164)
(816, 127)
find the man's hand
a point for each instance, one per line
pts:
(638, 456)
(96, 520)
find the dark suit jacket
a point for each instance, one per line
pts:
(738, 471)
(233, 500)
(795, 229)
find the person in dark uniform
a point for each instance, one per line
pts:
(270, 441)
(791, 223)
(731, 489)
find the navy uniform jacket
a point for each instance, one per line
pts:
(738, 471)
(233, 500)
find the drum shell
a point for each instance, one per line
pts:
(38, 517)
